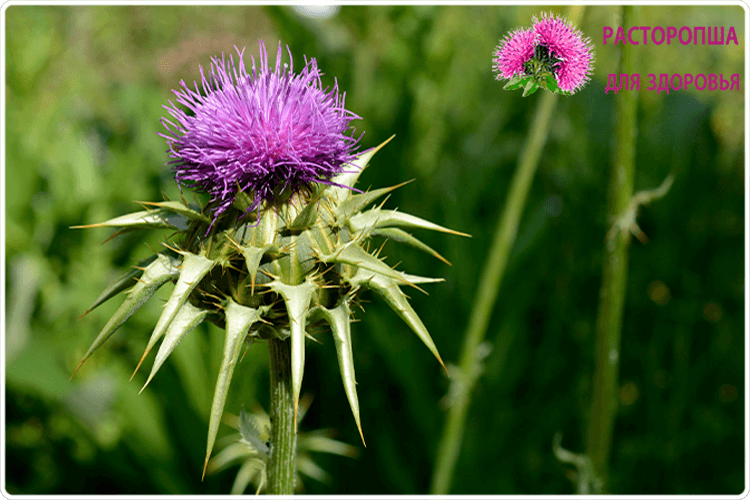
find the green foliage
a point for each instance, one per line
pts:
(530, 84)
(85, 86)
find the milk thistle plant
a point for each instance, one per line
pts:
(281, 247)
(551, 54)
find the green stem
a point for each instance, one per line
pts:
(486, 296)
(491, 277)
(615, 269)
(283, 429)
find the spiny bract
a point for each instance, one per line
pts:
(274, 273)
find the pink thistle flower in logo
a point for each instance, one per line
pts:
(262, 133)
(551, 55)
(514, 50)
(574, 51)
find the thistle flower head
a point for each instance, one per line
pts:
(514, 50)
(261, 133)
(564, 42)
(550, 54)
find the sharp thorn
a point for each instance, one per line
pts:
(147, 381)
(116, 234)
(415, 286)
(392, 188)
(457, 233)
(443, 259)
(139, 363)
(359, 427)
(443, 365)
(77, 368)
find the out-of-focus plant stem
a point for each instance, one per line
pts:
(486, 295)
(490, 279)
(615, 268)
(283, 427)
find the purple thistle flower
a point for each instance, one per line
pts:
(565, 43)
(514, 50)
(261, 132)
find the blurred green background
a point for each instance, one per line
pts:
(84, 92)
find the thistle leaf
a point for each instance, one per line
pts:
(251, 471)
(232, 453)
(157, 273)
(306, 466)
(178, 208)
(159, 218)
(306, 218)
(251, 434)
(401, 236)
(263, 232)
(351, 174)
(378, 218)
(354, 255)
(517, 82)
(338, 318)
(239, 319)
(320, 442)
(188, 317)
(419, 280)
(388, 288)
(357, 202)
(253, 255)
(125, 281)
(194, 268)
(531, 87)
(297, 300)
(552, 83)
